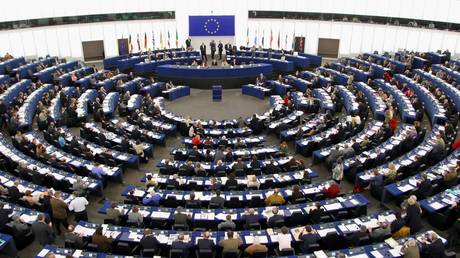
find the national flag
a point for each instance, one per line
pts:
(145, 40)
(138, 42)
(293, 41)
(285, 42)
(247, 37)
(177, 39)
(169, 40)
(130, 44)
(279, 39)
(271, 37)
(263, 37)
(161, 40)
(153, 40)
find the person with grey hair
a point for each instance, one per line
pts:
(19, 224)
(410, 249)
(76, 239)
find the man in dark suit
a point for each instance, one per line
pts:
(250, 218)
(275, 218)
(424, 188)
(13, 192)
(218, 200)
(192, 203)
(203, 52)
(220, 48)
(205, 243)
(149, 241)
(180, 244)
(4, 218)
(308, 236)
(212, 45)
(181, 218)
(434, 247)
(354, 238)
(43, 232)
(188, 43)
(315, 214)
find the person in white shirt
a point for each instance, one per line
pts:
(78, 206)
(284, 239)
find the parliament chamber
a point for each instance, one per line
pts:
(212, 129)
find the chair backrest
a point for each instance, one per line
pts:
(259, 254)
(176, 253)
(287, 252)
(229, 254)
(205, 253)
(92, 247)
(69, 244)
(123, 248)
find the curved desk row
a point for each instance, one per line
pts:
(199, 77)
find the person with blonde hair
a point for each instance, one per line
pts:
(410, 249)
(413, 217)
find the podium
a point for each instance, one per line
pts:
(217, 93)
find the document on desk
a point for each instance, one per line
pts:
(29, 219)
(43, 252)
(377, 254)
(250, 239)
(205, 216)
(160, 215)
(323, 232)
(320, 254)
(437, 205)
(332, 206)
(405, 188)
(135, 236)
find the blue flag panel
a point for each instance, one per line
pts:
(223, 25)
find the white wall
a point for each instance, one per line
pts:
(354, 38)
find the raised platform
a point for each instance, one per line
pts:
(204, 78)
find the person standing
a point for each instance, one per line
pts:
(213, 48)
(220, 48)
(78, 206)
(203, 52)
(59, 208)
(188, 43)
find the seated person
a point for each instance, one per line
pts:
(354, 238)
(227, 224)
(382, 231)
(432, 246)
(239, 166)
(231, 181)
(103, 243)
(410, 248)
(231, 244)
(217, 200)
(132, 198)
(308, 236)
(275, 217)
(296, 194)
(255, 163)
(181, 218)
(284, 239)
(114, 213)
(256, 246)
(253, 183)
(149, 181)
(152, 199)
(424, 188)
(181, 244)
(192, 202)
(77, 239)
(316, 213)
(249, 218)
(149, 241)
(19, 224)
(275, 199)
(205, 243)
(332, 190)
(134, 217)
(169, 85)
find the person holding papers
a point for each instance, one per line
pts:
(228, 224)
(275, 199)
(181, 244)
(231, 244)
(103, 243)
(308, 236)
(256, 246)
(149, 241)
(410, 249)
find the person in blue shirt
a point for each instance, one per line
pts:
(98, 171)
(378, 179)
(152, 199)
(61, 140)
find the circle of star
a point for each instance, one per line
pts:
(211, 22)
